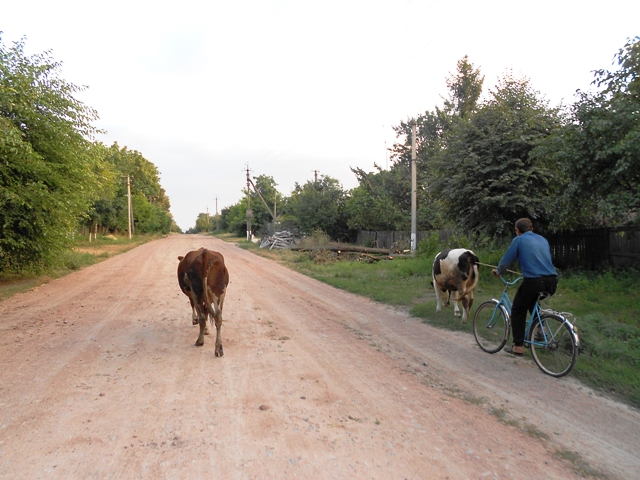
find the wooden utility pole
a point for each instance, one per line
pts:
(216, 213)
(414, 189)
(249, 212)
(273, 215)
(129, 206)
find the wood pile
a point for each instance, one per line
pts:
(345, 248)
(283, 239)
(328, 256)
(328, 253)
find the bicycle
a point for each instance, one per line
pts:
(552, 339)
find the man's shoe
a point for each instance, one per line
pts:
(510, 351)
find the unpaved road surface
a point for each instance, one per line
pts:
(100, 379)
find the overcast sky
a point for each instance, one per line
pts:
(204, 88)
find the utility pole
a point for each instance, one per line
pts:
(414, 188)
(273, 215)
(249, 212)
(216, 213)
(315, 172)
(386, 152)
(130, 208)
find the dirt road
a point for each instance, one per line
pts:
(100, 379)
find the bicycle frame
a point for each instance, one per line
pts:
(506, 303)
(553, 340)
(505, 299)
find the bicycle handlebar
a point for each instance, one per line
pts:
(510, 284)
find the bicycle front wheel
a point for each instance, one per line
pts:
(491, 326)
(553, 345)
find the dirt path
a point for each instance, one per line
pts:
(100, 378)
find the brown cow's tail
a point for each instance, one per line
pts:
(206, 297)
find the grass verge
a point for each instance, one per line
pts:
(83, 254)
(605, 305)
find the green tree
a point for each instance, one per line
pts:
(320, 205)
(379, 202)
(203, 224)
(486, 175)
(464, 90)
(266, 185)
(149, 201)
(102, 212)
(47, 163)
(601, 145)
(234, 218)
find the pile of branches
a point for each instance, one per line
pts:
(347, 252)
(283, 239)
(330, 256)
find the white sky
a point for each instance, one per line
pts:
(203, 88)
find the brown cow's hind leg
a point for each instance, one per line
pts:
(219, 350)
(215, 313)
(203, 327)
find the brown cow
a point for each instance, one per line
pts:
(203, 278)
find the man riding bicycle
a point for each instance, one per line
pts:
(539, 275)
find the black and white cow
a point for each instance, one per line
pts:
(455, 271)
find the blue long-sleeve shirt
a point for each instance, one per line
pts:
(533, 254)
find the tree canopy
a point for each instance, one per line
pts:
(319, 205)
(601, 144)
(485, 160)
(47, 160)
(53, 174)
(486, 175)
(150, 202)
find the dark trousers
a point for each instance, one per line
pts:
(525, 300)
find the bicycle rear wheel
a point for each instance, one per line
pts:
(553, 345)
(491, 326)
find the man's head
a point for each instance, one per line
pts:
(523, 225)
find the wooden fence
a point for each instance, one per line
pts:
(586, 249)
(397, 240)
(594, 248)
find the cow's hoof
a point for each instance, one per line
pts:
(199, 343)
(456, 314)
(219, 353)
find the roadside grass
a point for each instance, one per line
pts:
(580, 465)
(83, 254)
(605, 306)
